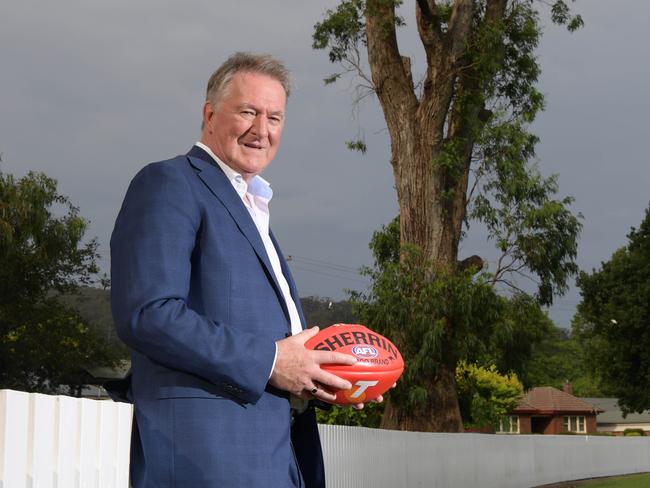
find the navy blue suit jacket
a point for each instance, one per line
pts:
(195, 299)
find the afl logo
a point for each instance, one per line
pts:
(364, 351)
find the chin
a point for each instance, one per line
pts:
(256, 166)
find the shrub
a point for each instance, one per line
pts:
(633, 432)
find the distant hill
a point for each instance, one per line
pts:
(94, 305)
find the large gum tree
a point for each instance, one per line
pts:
(460, 150)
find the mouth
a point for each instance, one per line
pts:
(253, 145)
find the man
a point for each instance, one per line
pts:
(205, 301)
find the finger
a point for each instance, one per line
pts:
(319, 392)
(379, 399)
(331, 381)
(330, 357)
(305, 395)
(304, 335)
(320, 387)
(324, 395)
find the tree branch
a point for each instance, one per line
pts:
(477, 181)
(428, 23)
(460, 25)
(393, 85)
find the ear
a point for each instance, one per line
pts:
(208, 114)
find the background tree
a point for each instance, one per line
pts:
(561, 357)
(460, 149)
(518, 338)
(613, 320)
(42, 253)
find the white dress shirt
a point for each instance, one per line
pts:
(256, 196)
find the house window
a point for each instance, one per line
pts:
(575, 423)
(509, 425)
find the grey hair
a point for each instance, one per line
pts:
(240, 62)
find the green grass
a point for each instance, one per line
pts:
(633, 481)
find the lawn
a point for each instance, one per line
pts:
(634, 481)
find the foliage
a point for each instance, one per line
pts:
(533, 231)
(562, 15)
(613, 320)
(40, 252)
(357, 145)
(521, 331)
(342, 30)
(485, 395)
(526, 342)
(42, 342)
(369, 416)
(411, 303)
(512, 334)
(634, 432)
(49, 347)
(560, 357)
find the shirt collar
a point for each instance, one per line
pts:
(257, 187)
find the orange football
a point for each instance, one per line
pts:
(379, 363)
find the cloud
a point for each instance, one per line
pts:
(92, 91)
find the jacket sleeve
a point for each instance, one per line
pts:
(151, 250)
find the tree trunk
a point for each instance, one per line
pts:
(432, 197)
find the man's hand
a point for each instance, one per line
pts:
(297, 369)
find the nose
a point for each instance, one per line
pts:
(260, 126)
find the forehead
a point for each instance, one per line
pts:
(255, 89)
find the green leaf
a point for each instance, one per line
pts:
(357, 145)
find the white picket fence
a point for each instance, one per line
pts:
(62, 442)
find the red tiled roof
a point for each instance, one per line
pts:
(549, 400)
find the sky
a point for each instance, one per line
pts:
(92, 91)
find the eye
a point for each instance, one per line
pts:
(275, 119)
(248, 113)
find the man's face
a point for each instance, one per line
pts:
(244, 127)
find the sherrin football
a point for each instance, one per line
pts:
(379, 363)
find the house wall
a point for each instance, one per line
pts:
(556, 424)
(618, 429)
(592, 425)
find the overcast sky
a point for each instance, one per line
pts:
(91, 91)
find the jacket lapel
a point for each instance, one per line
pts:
(219, 185)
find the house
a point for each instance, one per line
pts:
(547, 410)
(611, 417)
